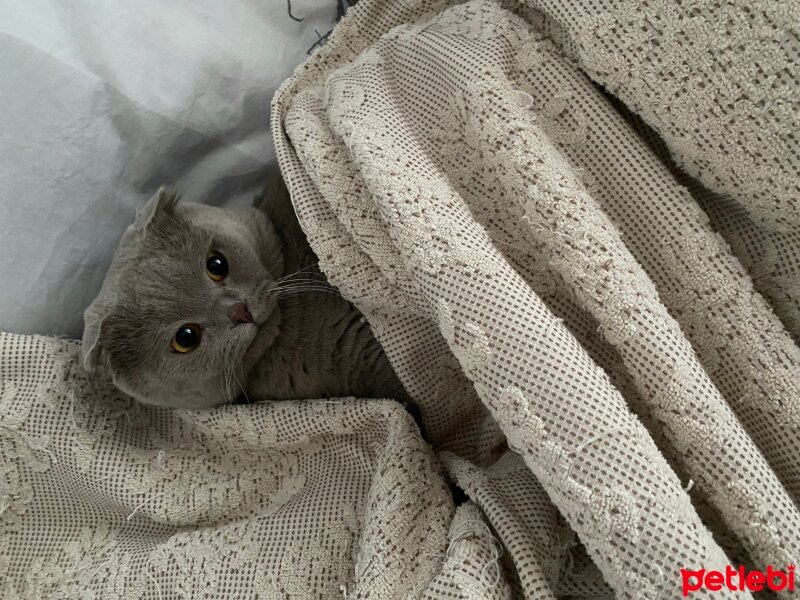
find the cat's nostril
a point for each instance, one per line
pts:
(239, 313)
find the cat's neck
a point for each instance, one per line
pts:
(323, 348)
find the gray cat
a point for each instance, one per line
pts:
(203, 305)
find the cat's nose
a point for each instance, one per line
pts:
(239, 313)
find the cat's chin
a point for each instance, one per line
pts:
(266, 331)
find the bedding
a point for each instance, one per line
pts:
(547, 212)
(102, 103)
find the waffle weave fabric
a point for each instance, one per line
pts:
(573, 227)
(468, 179)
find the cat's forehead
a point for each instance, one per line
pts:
(174, 238)
(162, 259)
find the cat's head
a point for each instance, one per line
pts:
(187, 291)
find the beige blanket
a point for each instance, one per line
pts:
(574, 227)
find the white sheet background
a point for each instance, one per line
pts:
(102, 102)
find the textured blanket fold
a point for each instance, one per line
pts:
(592, 299)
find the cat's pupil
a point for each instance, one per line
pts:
(187, 336)
(217, 265)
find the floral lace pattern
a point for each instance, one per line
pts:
(105, 498)
(545, 242)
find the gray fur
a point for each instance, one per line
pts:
(307, 341)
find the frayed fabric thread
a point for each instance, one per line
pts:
(495, 545)
(142, 504)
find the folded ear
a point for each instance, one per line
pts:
(162, 202)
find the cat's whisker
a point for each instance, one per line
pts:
(230, 377)
(295, 292)
(295, 276)
(285, 277)
(300, 274)
(227, 390)
(305, 280)
(305, 284)
(287, 293)
(233, 370)
(321, 282)
(222, 390)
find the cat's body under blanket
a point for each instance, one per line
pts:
(203, 305)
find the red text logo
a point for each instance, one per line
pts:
(737, 580)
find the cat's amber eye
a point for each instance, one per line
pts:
(216, 266)
(186, 339)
